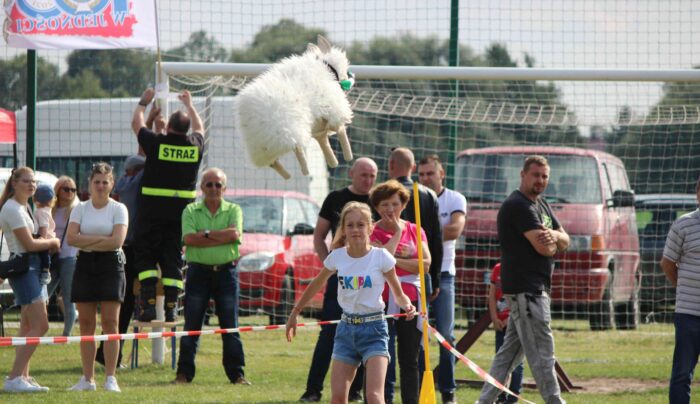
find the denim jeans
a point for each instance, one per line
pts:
(444, 312)
(201, 285)
(64, 278)
(685, 357)
(321, 359)
(528, 335)
(516, 378)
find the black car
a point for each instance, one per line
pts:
(655, 214)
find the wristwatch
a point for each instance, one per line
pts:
(206, 233)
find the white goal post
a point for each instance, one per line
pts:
(646, 122)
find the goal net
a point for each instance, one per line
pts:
(622, 146)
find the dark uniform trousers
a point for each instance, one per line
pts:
(159, 242)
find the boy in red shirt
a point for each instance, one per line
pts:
(498, 308)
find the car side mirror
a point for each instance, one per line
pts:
(621, 199)
(302, 229)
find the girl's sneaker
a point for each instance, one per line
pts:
(20, 385)
(111, 384)
(84, 385)
(34, 383)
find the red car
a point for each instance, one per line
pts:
(590, 194)
(278, 260)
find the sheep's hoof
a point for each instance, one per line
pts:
(301, 157)
(277, 166)
(322, 140)
(344, 143)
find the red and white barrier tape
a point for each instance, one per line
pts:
(20, 341)
(483, 375)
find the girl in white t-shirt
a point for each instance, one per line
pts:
(362, 335)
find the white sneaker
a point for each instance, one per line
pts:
(20, 385)
(34, 383)
(84, 385)
(111, 384)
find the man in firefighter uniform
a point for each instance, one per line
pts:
(168, 185)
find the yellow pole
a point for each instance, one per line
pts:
(427, 389)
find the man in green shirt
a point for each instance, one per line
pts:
(211, 231)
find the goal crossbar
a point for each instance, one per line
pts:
(454, 73)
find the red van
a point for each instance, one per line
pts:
(590, 194)
(278, 260)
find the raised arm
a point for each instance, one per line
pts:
(138, 121)
(196, 121)
(396, 226)
(155, 120)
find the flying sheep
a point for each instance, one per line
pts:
(298, 98)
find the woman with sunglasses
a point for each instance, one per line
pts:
(63, 266)
(98, 227)
(18, 226)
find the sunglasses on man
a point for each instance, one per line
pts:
(218, 185)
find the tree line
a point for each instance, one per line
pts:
(649, 152)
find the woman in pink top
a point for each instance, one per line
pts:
(389, 199)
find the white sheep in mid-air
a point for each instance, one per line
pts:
(299, 97)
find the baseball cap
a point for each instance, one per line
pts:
(134, 161)
(44, 193)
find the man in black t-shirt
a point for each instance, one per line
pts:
(530, 235)
(167, 186)
(363, 174)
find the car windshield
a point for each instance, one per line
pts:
(261, 214)
(492, 177)
(654, 220)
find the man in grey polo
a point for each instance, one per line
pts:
(681, 264)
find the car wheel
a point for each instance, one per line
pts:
(627, 314)
(280, 314)
(600, 314)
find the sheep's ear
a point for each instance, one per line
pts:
(313, 49)
(324, 44)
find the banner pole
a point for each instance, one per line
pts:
(427, 389)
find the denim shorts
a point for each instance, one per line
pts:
(355, 344)
(26, 287)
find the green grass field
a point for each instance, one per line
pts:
(613, 367)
